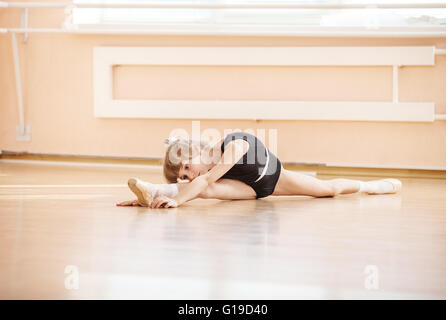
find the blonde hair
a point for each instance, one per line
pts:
(178, 151)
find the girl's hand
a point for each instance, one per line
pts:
(131, 203)
(163, 202)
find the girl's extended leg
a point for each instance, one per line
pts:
(223, 189)
(294, 183)
(228, 189)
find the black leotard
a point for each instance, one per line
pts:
(250, 169)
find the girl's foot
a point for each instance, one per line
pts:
(144, 194)
(383, 186)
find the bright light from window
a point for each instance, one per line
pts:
(367, 17)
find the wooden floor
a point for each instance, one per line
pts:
(52, 217)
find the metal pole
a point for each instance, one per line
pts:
(182, 5)
(18, 84)
(251, 32)
(24, 23)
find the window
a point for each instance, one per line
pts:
(260, 19)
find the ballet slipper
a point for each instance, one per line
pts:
(144, 196)
(397, 184)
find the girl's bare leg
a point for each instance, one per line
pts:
(294, 183)
(228, 189)
(223, 189)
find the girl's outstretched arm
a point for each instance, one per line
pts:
(234, 151)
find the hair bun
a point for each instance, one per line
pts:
(169, 141)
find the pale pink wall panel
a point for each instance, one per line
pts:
(251, 83)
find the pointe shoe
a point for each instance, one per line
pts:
(144, 197)
(397, 184)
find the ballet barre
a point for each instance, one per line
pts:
(240, 5)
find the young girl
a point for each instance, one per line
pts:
(237, 167)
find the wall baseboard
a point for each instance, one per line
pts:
(368, 171)
(155, 163)
(13, 155)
